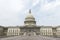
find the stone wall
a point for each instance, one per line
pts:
(47, 31)
(58, 31)
(13, 31)
(1, 31)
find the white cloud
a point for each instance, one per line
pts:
(50, 5)
(35, 2)
(12, 12)
(50, 13)
(9, 11)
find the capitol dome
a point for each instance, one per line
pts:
(30, 20)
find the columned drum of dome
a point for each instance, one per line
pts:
(30, 20)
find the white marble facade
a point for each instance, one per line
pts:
(13, 31)
(30, 28)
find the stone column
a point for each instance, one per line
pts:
(24, 33)
(34, 34)
(54, 32)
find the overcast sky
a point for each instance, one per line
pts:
(13, 12)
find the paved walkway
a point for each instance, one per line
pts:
(30, 38)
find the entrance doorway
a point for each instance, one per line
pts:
(30, 33)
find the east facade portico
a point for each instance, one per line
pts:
(30, 30)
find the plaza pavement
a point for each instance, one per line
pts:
(30, 38)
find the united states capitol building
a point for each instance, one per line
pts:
(30, 29)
